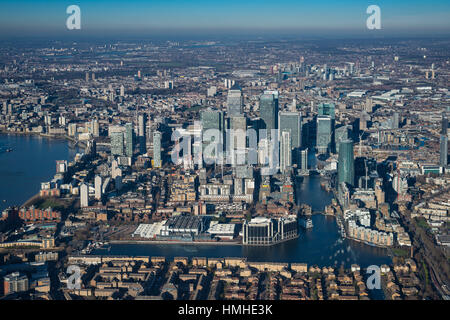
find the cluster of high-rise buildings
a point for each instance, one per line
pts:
(274, 138)
(195, 153)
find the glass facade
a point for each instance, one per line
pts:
(212, 120)
(265, 231)
(346, 164)
(142, 133)
(117, 143)
(324, 134)
(234, 102)
(304, 160)
(285, 151)
(341, 134)
(291, 121)
(129, 140)
(268, 108)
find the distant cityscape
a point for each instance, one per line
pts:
(209, 143)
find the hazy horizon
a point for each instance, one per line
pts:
(41, 18)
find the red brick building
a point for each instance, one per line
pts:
(31, 215)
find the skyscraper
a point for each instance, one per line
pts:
(328, 110)
(236, 138)
(142, 121)
(285, 151)
(341, 134)
(239, 123)
(268, 108)
(129, 140)
(98, 187)
(291, 121)
(263, 151)
(157, 149)
(117, 143)
(324, 134)
(304, 160)
(234, 101)
(346, 164)
(84, 195)
(443, 146)
(212, 120)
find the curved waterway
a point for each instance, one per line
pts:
(32, 160)
(322, 245)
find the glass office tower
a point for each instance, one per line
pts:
(285, 151)
(234, 101)
(328, 110)
(341, 134)
(324, 134)
(304, 160)
(129, 140)
(346, 164)
(211, 119)
(142, 121)
(291, 122)
(117, 143)
(268, 109)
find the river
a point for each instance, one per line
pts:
(322, 245)
(31, 161)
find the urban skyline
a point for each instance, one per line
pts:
(227, 166)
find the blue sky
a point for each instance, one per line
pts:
(49, 16)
